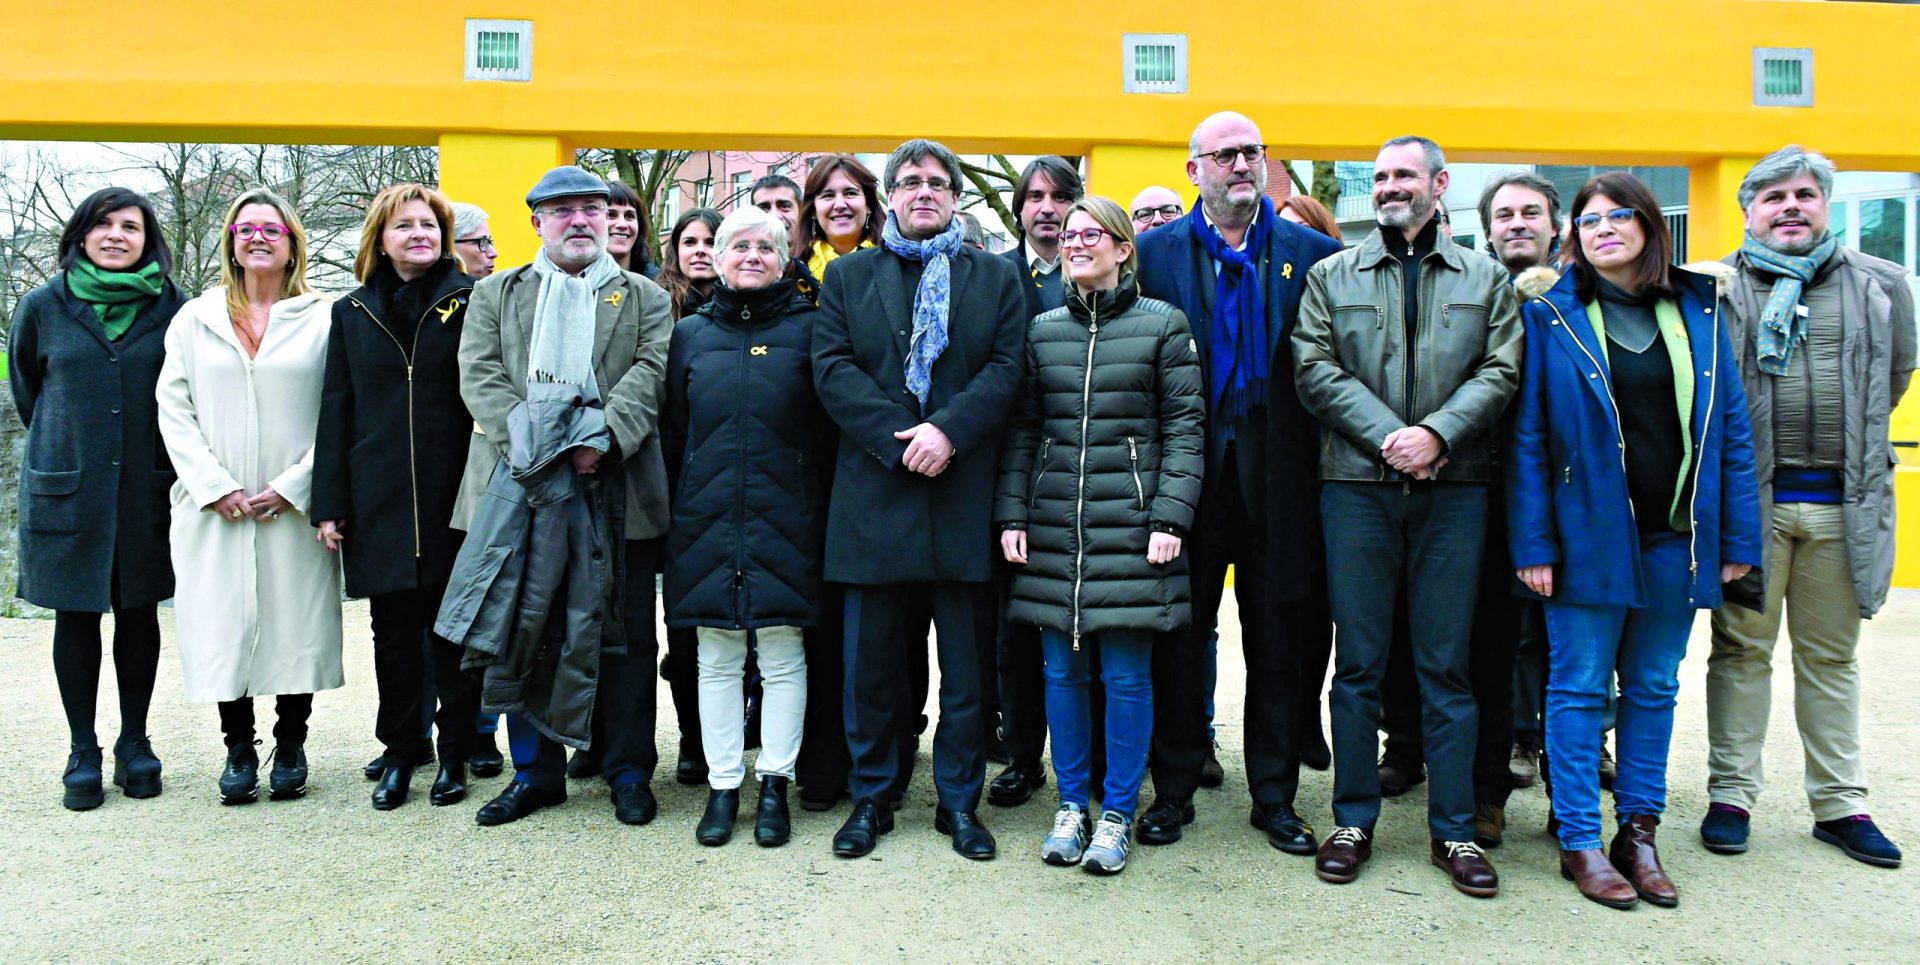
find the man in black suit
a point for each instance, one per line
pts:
(1237, 270)
(1047, 187)
(918, 353)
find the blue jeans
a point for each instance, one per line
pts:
(1126, 668)
(1588, 646)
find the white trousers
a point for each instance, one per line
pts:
(723, 711)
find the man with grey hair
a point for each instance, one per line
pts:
(1407, 351)
(473, 240)
(1826, 344)
(918, 355)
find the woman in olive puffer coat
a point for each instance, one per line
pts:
(1099, 478)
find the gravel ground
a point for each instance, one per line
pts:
(181, 878)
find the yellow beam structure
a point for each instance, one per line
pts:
(1120, 171)
(1715, 224)
(495, 171)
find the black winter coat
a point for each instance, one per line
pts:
(393, 433)
(747, 447)
(1105, 448)
(93, 485)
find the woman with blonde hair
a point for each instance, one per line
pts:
(258, 602)
(383, 482)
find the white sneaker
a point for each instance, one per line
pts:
(1112, 839)
(1067, 842)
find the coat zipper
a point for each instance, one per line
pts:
(1080, 489)
(1606, 384)
(740, 478)
(1133, 461)
(1033, 498)
(413, 470)
(1699, 452)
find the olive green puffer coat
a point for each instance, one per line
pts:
(1105, 448)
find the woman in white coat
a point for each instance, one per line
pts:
(257, 605)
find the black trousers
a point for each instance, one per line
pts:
(405, 653)
(886, 632)
(823, 764)
(289, 729)
(1223, 536)
(681, 670)
(1022, 686)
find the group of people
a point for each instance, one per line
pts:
(835, 422)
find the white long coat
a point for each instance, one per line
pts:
(257, 608)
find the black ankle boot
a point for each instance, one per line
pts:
(240, 779)
(450, 786)
(691, 768)
(81, 780)
(772, 826)
(716, 826)
(394, 785)
(288, 779)
(136, 771)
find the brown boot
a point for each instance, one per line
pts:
(1596, 878)
(1634, 854)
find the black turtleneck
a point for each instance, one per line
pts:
(1105, 304)
(402, 303)
(1409, 255)
(753, 307)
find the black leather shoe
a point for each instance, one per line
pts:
(716, 825)
(136, 770)
(1314, 752)
(1162, 822)
(1398, 776)
(81, 782)
(773, 825)
(288, 779)
(1016, 784)
(486, 759)
(634, 804)
(449, 786)
(393, 788)
(1285, 829)
(816, 798)
(240, 779)
(378, 765)
(971, 839)
(863, 829)
(516, 802)
(1211, 773)
(583, 764)
(691, 769)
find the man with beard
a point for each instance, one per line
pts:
(1047, 187)
(1407, 352)
(1236, 269)
(1827, 351)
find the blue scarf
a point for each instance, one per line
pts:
(1782, 328)
(931, 303)
(1240, 354)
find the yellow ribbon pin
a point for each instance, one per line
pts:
(759, 350)
(1286, 270)
(614, 299)
(446, 314)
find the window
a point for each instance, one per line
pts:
(1839, 217)
(666, 209)
(741, 179)
(1468, 242)
(1883, 229)
(703, 192)
(782, 169)
(1677, 224)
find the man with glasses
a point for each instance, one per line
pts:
(575, 317)
(1153, 207)
(1236, 269)
(1407, 351)
(918, 353)
(473, 240)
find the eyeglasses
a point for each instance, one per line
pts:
(1167, 211)
(481, 242)
(246, 232)
(1618, 216)
(1086, 236)
(593, 212)
(1224, 157)
(913, 185)
(743, 247)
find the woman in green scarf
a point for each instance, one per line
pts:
(84, 356)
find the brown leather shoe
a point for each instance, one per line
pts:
(1489, 824)
(1342, 854)
(1467, 865)
(1597, 878)
(1634, 854)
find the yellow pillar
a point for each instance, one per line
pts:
(495, 171)
(1119, 171)
(1906, 491)
(1715, 223)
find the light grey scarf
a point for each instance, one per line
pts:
(563, 318)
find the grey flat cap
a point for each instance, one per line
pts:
(563, 182)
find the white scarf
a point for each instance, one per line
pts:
(563, 321)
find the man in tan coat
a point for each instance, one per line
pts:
(575, 316)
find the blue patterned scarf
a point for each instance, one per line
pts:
(931, 302)
(1782, 328)
(1239, 355)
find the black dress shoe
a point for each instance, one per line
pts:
(1397, 776)
(1016, 784)
(716, 825)
(634, 804)
(863, 829)
(1162, 822)
(1211, 773)
(516, 802)
(773, 825)
(583, 764)
(1285, 829)
(816, 798)
(288, 779)
(691, 769)
(486, 759)
(378, 765)
(1314, 751)
(449, 786)
(971, 839)
(81, 783)
(392, 790)
(240, 779)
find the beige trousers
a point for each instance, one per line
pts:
(1810, 582)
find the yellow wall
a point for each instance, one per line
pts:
(495, 171)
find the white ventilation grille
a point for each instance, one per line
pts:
(1154, 63)
(500, 50)
(1782, 77)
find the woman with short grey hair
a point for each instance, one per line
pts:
(473, 240)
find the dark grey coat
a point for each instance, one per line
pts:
(1104, 449)
(93, 486)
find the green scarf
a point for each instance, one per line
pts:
(116, 296)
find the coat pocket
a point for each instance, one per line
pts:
(53, 502)
(1469, 316)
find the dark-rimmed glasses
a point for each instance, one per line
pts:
(1254, 153)
(1086, 236)
(482, 242)
(1167, 211)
